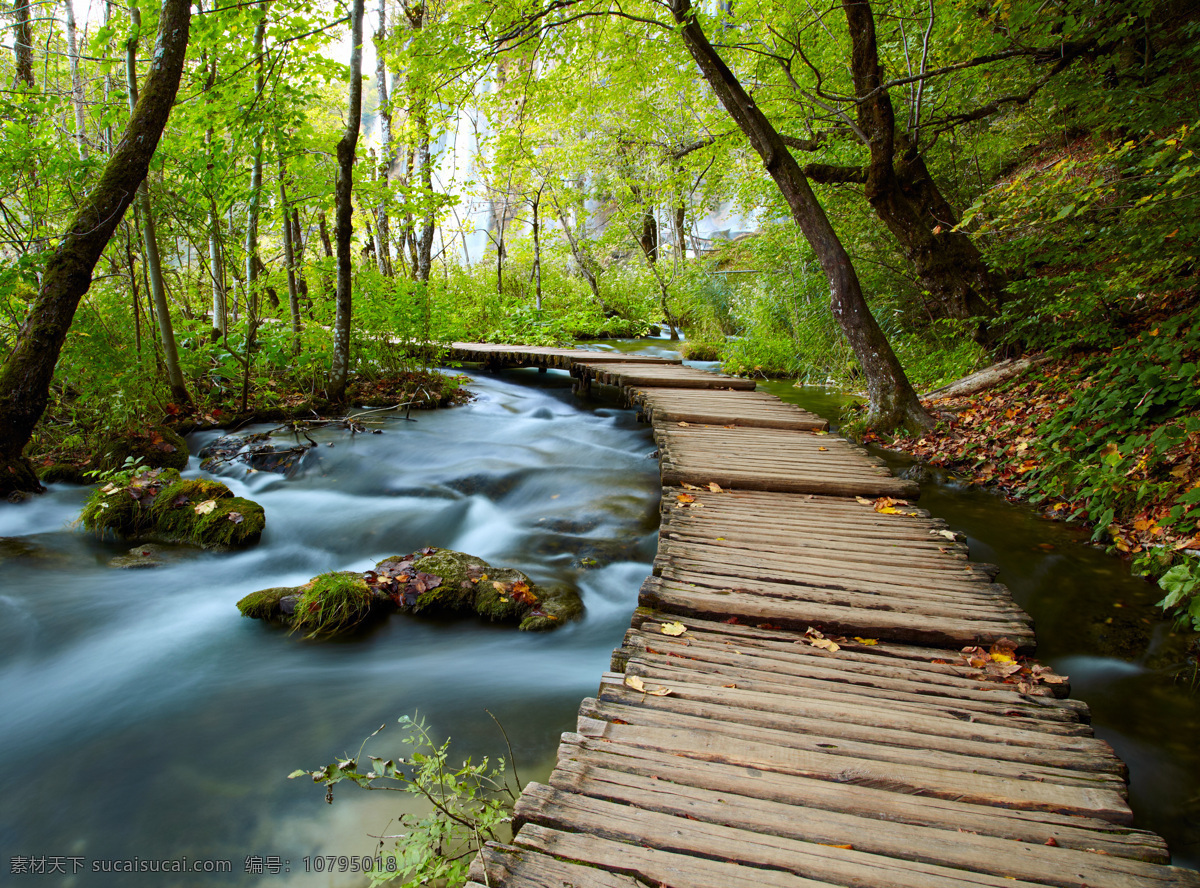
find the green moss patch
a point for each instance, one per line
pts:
(160, 504)
(333, 604)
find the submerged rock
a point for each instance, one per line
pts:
(148, 555)
(255, 451)
(437, 582)
(158, 504)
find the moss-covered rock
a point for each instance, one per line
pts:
(159, 504)
(438, 582)
(446, 582)
(63, 473)
(328, 605)
(266, 604)
(158, 447)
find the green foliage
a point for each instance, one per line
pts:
(1182, 585)
(1125, 417)
(469, 805)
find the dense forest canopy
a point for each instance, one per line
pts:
(966, 179)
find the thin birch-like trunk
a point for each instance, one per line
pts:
(153, 262)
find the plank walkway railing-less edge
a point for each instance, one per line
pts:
(738, 752)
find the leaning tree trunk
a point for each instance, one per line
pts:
(29, 368)
(899, 188)
(343, 192)
(158, 293)
(892, 399)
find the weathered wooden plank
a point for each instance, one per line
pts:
(867, 656)
(1041, 863)
(650, 866)
(762, 712)
(801, 658)
(1003, 706)
(860, 718)
(551, 808)
(1101, 800)
(507, 866)
(838, 591)
(579, 754)
(897, 569)
(731, 477)
(668, 714)
(890, 624)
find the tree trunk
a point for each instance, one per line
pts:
(899, 188)
(29, 368)
(535, 203)
(289, 257)
(22, 45)
(220, 323)
(681, 233)
(649, 236)
(153, 261)
(343, 189)
(892, 399)
(383, 248)
(298, 249)
(581, 258)
(77, 95)
(424, 257)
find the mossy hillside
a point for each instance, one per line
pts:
(160, 504)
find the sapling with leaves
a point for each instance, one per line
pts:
(469, 805)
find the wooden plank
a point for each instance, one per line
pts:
(579, 754)
(547, 807)
(890, 624)
(762, 712)
(803, 659)
(733, 478)
(1052, 865)
(1101, 800)
(666, 713)
(507, 866)
(650, 866)
(839, 592)
(860, 718)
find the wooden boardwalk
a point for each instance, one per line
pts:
(793, 705)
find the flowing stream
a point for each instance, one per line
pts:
(142, 718)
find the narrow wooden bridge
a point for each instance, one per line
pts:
(793, 706)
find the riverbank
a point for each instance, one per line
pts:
(1107, 438)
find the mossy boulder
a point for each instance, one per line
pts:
(446, 582)
(157, 447)
(328, 605)
(696, 350)
(63, 473)
(438, 582)
(159, 504)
